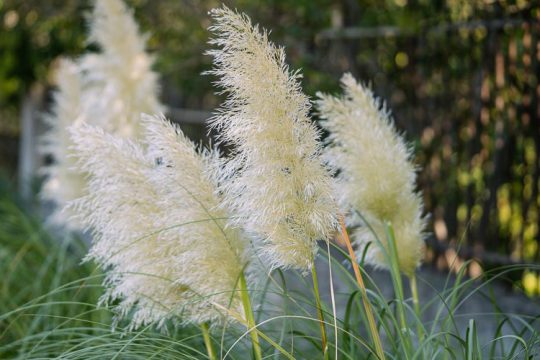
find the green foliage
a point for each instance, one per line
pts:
(34, 33)
(48, 309)
(48, 299)
(434, 80)
(44, 288)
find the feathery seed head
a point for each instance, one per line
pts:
(275, 181)
(120, 77)
(114, 29)
(157, 225)
(376, 175)
(63, 182)
(408, 224)
(109, 89)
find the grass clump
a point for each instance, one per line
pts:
(48, 310)
(206, 256)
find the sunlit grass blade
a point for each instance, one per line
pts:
(324, 340)
(367, 306)
(208, 342)
(244, 294)
(472, 346)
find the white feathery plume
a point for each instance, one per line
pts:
(375, 174)
(63, 182)
(157, 228)
(275, 181)
(121, 83)
(109, 89)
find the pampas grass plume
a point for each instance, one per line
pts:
(375, 174)
(275, 181)
(108, 89)
(121, 83)
(157, 230)
(63, 182)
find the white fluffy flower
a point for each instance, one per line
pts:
(63, 183)
(121, 84)
(158, 230)
(375, 174)
(109, 89)
(275, 180)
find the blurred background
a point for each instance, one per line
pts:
(461, 77)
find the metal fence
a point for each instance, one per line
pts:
(467, 95)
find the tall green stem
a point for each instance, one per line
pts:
(367, 306)
(398, 287)
(319, 311)
(250, 318)
(208, 342)
(416, 303)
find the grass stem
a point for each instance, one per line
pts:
(208, 342)
(398, 288)
(319, 311)
(367, 306)
(416, 303)
(250, 318)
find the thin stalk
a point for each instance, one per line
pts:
(250, 318)
(416, 303)
(398, 286)
(241, 320)
(367, 306)
(209, 347)
(333, 297)
(319, 311)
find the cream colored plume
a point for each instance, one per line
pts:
(158, 230)
(375, 174)
(121, 83)
(109, 89)
(275, 181)
(63, 183)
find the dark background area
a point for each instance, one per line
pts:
(461, 78)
